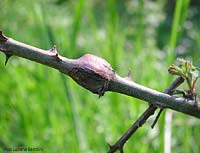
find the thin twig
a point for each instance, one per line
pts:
(142, 119)
(157, 117)
(169, 91)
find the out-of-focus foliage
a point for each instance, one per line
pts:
(39, 107)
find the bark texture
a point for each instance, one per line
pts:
(96, 75)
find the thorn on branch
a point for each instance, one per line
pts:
(128, 77)
(114, 148)
(104, 88)
(54, 51)
(157, 117)
(2, 37)
(109, 145)
(7, 57)
(121, 150)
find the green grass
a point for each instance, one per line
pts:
(42, 108)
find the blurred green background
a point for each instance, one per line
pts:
(40, 107)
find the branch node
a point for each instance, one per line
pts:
(2, 37)
(54, 51)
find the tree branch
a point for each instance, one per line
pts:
(96, 75)
(142, 119)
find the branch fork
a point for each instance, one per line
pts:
(142, 119)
